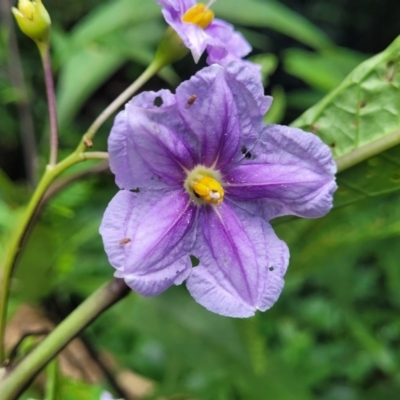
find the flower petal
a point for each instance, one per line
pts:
(192, 35)
(179, 6)
(125, 161)
(148, 237)
(229, 104)
(159, 135)
(289, 168)
(226, 44)
(242, 262)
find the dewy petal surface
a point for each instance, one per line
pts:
(289, 168)
(148, 237)
(242, 262)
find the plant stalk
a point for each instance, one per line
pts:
(15, 382)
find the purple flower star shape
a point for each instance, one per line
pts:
(202, 175)
(199, 30)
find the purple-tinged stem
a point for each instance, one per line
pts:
(51, 101)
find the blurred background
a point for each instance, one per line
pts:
(335, 331)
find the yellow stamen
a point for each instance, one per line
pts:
(199, 15)
(209, 189)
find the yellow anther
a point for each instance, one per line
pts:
(199, 15)
(209, 189)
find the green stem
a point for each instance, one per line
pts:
(21, 230)
(16, 381)
(150, 71)
(369, 150)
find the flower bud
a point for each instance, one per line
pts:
(171, 48)
(33, 20)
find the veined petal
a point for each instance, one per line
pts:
(227, 113)
(148, 237)
(242, 262)
(292, 169)
(226, 44)
(129, 169)
(158, 134)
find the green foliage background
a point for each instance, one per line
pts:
(335, 331)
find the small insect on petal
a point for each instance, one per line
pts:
(124, 241)
(192, 99)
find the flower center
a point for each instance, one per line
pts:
(200, 15)
(204, 187)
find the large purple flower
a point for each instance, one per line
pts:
(199, 30)
(201, 175)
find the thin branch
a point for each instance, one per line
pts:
(51, 102)
(16, 380)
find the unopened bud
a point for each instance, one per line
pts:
(33, 20)
(171, 48)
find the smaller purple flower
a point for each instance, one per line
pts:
(202, 175)
(107, 396)
(199, 30)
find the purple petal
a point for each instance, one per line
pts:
(229, 105)
(248, 92)
(125, 161)
(179, 6)
(193, 36)
(148, 237)
(242, 262)
(158, 134)
(226, 44)
(212, 117)
(291, 169)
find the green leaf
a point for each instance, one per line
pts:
(75, 87)
(273, 15)
(360, 121)
(112, 16)
(324, 71)
(277, 111)
(268, 63)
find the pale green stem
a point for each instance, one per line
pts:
(51, 173)
(14, 383)
(369, 150)
(150, 71)
(21, 229)
(51, 101)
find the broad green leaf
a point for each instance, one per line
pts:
(102, 58)
(351, 226)
(323, 71)
(82, 74)
(273, 15)
(360, 121)
(112, 16)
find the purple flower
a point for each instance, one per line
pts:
(106, 396)
(201, 175)
(199, 30)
